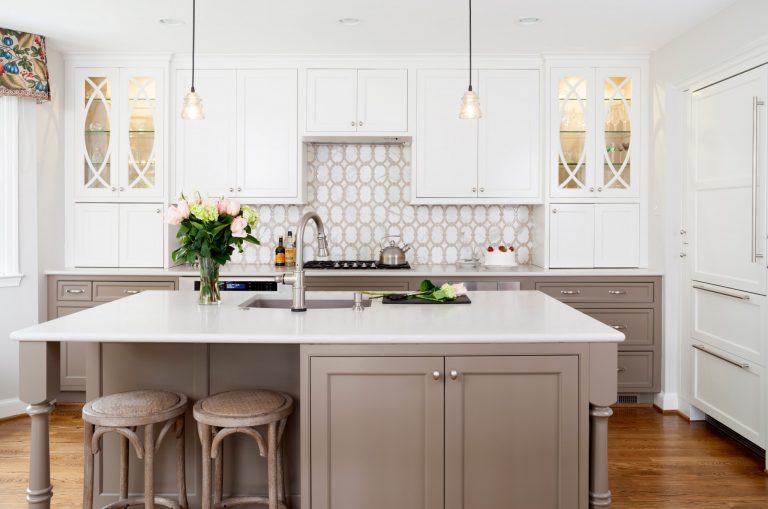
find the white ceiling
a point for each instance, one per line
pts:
(388, 26)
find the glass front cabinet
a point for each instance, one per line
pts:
(595, 133)
(118, 134)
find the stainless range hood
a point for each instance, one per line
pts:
(357, 140)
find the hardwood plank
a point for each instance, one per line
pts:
(659, 461)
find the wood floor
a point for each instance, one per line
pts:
(655, 462)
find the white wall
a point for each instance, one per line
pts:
(41, 234)
(720, 41)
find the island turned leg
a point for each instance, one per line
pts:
(599, 493)
(38, 387)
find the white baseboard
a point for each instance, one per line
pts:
(11, 407)
(666, 401)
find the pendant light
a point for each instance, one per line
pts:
(193, 104)
(470, 103)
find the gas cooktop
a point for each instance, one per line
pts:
(352, 265)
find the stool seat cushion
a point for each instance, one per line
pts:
(243, 407)
(134, 408)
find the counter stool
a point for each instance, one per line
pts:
(227, 413)
(122, 413)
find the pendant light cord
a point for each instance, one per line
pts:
(193, 45)
(470, 45)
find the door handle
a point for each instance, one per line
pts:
(756, 102)
(75, 291)
(435, 375)
(131, 292)
(619, 327)
(617, 292)
(742, 296)
(621, 369)
(742, 365)
(570, 292)
(454, 374)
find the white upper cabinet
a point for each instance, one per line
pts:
(382, 100)
(595, 133)
(352, 100)
(446, 146)
(268, 143)
(332, 100)
(118, 134)
(492, 160)
(509, 149)
(205, 149)
(587, 235)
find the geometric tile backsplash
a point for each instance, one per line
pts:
(362, 190)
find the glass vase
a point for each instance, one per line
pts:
(209, 282)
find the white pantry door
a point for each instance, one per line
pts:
(728, 164)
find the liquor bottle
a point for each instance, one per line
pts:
(280, 254)
(290, 250)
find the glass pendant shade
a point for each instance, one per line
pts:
(193, 107)
(470, 106)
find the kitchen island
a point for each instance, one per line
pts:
(408, 406)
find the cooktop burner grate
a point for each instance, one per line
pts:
(352, 265)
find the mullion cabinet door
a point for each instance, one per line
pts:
(140, 173)
(512, 432)
(376, 432)
(96, 132)
(572, 132)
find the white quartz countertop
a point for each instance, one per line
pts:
(447, 270)
(175, 317)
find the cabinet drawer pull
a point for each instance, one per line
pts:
(742, 296)
(617, 292)
(75, 290)
(436, 375)
(454, 374)
(570, 292)
(131, 292)
(621, 369)
(739, 364)
(619, 327)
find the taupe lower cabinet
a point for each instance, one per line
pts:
(479, 432)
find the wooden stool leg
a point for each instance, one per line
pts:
(272, 464)
(123, 467)
(205, 440)
(181, 476)
(88, 467)
(149, 466)
(218, 471)
(281, 480)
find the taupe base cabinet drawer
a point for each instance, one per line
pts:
(599, 292)
(71, 294)
(635, 324)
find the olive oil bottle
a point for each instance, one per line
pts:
(280, 254)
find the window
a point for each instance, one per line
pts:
(9, 192)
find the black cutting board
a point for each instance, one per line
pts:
(461, 299)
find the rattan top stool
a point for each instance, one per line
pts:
(123, 413)
(227, 413)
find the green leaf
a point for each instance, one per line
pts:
(427, 286)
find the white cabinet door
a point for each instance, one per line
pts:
(142, 134)
(96, 133)
(617, 235)
(332, 100)
(268, 134)
(382, 100)
(509, 149)
(96, 236)
(728, 188)
(446, 146)
(205, 149)
(572, 235)
(141, 235)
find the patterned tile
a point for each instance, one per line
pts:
(362, 192)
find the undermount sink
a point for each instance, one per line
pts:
(262, 303)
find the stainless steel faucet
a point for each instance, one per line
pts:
(296, 278)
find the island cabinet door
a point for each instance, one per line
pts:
(376, 432)
(512, 432)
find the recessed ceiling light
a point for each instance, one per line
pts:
(350, 22)
(529, 20)
(170, 21)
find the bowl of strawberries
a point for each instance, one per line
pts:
(500, 256)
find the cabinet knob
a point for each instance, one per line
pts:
(436, 375)
(122, 189)
(454, 374)
(591, 189)
(352, 123)
(683, 232)
(360, 124)
(482, 189)
(231, 189)
(114, 189)
(157, 211)
(554, 211)
(474, 189)
(239, 189)
(599, 189)
(683, 255)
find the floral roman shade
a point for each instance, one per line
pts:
(23, 65)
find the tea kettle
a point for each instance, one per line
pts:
(391, 253)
